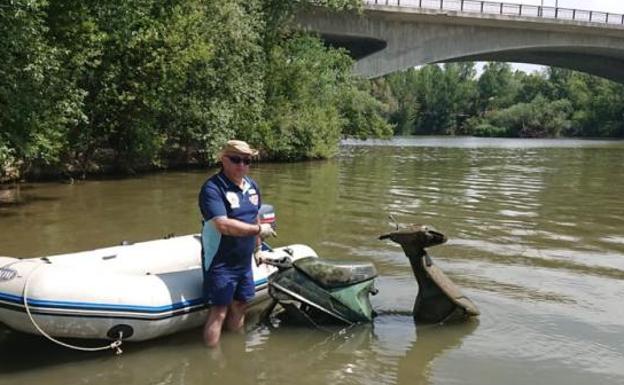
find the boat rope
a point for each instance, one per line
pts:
(115, 345)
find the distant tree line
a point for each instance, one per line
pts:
(451, 99)
(97, 86)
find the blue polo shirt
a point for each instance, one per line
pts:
(220, 197)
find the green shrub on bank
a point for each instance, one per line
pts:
(38, 105)
(8, 166)
(537, 119)
(303, 81)
(93, 86)
(487, 130)
(363, 114)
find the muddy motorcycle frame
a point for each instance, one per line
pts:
(439, 299)
(319, 291)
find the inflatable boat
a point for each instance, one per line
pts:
(131, 292)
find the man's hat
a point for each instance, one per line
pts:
(237, 147)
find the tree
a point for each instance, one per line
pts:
(303, 89)
(403, 87)
(496, 87)
(39, 104)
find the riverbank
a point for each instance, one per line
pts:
(107, 170)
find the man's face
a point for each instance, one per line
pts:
(236, 165)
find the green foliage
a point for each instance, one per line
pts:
(531, 86)
(92, 85)
(539, 118)
(7, 161)
(480, 128)
(38, 106)
(497, 87)
(450, 100)
(400, 92)
(362, 113)
(303, 87)
(87, 85)
(434, 99)
(160, 80)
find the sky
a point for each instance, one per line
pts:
(616, 6)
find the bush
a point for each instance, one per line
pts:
(134, 85)
(8, 169)
(304, 84)
(539, 118)
(488, 130)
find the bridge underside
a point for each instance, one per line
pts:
(608, 65)
(386, 41)
(358, 47)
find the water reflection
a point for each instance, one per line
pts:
(10, 195)
(392, 351)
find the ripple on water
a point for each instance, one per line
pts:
(591, 262)
(614, 239)
(516, 213)
(523, 332)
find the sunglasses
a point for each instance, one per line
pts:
(237, 160)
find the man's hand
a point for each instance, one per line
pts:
(266, 230)
(258, 256)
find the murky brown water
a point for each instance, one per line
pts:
(536, 240)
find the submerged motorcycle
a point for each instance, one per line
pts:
(439, 299)
(318, 291)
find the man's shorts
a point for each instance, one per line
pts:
(222, 287)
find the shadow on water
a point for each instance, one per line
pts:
(392, 350)
(21, 195)
(23, 352)
(180, 358)
(10, 195)
(432, 342)
(5, 213)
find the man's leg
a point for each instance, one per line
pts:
(235, 319)
(214, 324)
(244, 293)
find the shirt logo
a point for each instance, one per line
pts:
(232, 198)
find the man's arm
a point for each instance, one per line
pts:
(236, 228)
(213, 208)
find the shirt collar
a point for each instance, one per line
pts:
(227, 182)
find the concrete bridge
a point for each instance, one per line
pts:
(392, 35)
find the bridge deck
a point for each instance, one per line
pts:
(468, 7)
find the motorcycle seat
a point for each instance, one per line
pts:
(334, 274)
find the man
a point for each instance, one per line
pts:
(229, 203)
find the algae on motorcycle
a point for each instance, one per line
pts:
(317, 291)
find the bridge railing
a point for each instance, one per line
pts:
(508, 9)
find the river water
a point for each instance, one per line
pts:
(536, 240)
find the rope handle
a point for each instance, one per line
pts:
(115, 345)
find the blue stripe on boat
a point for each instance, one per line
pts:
(104, 307)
